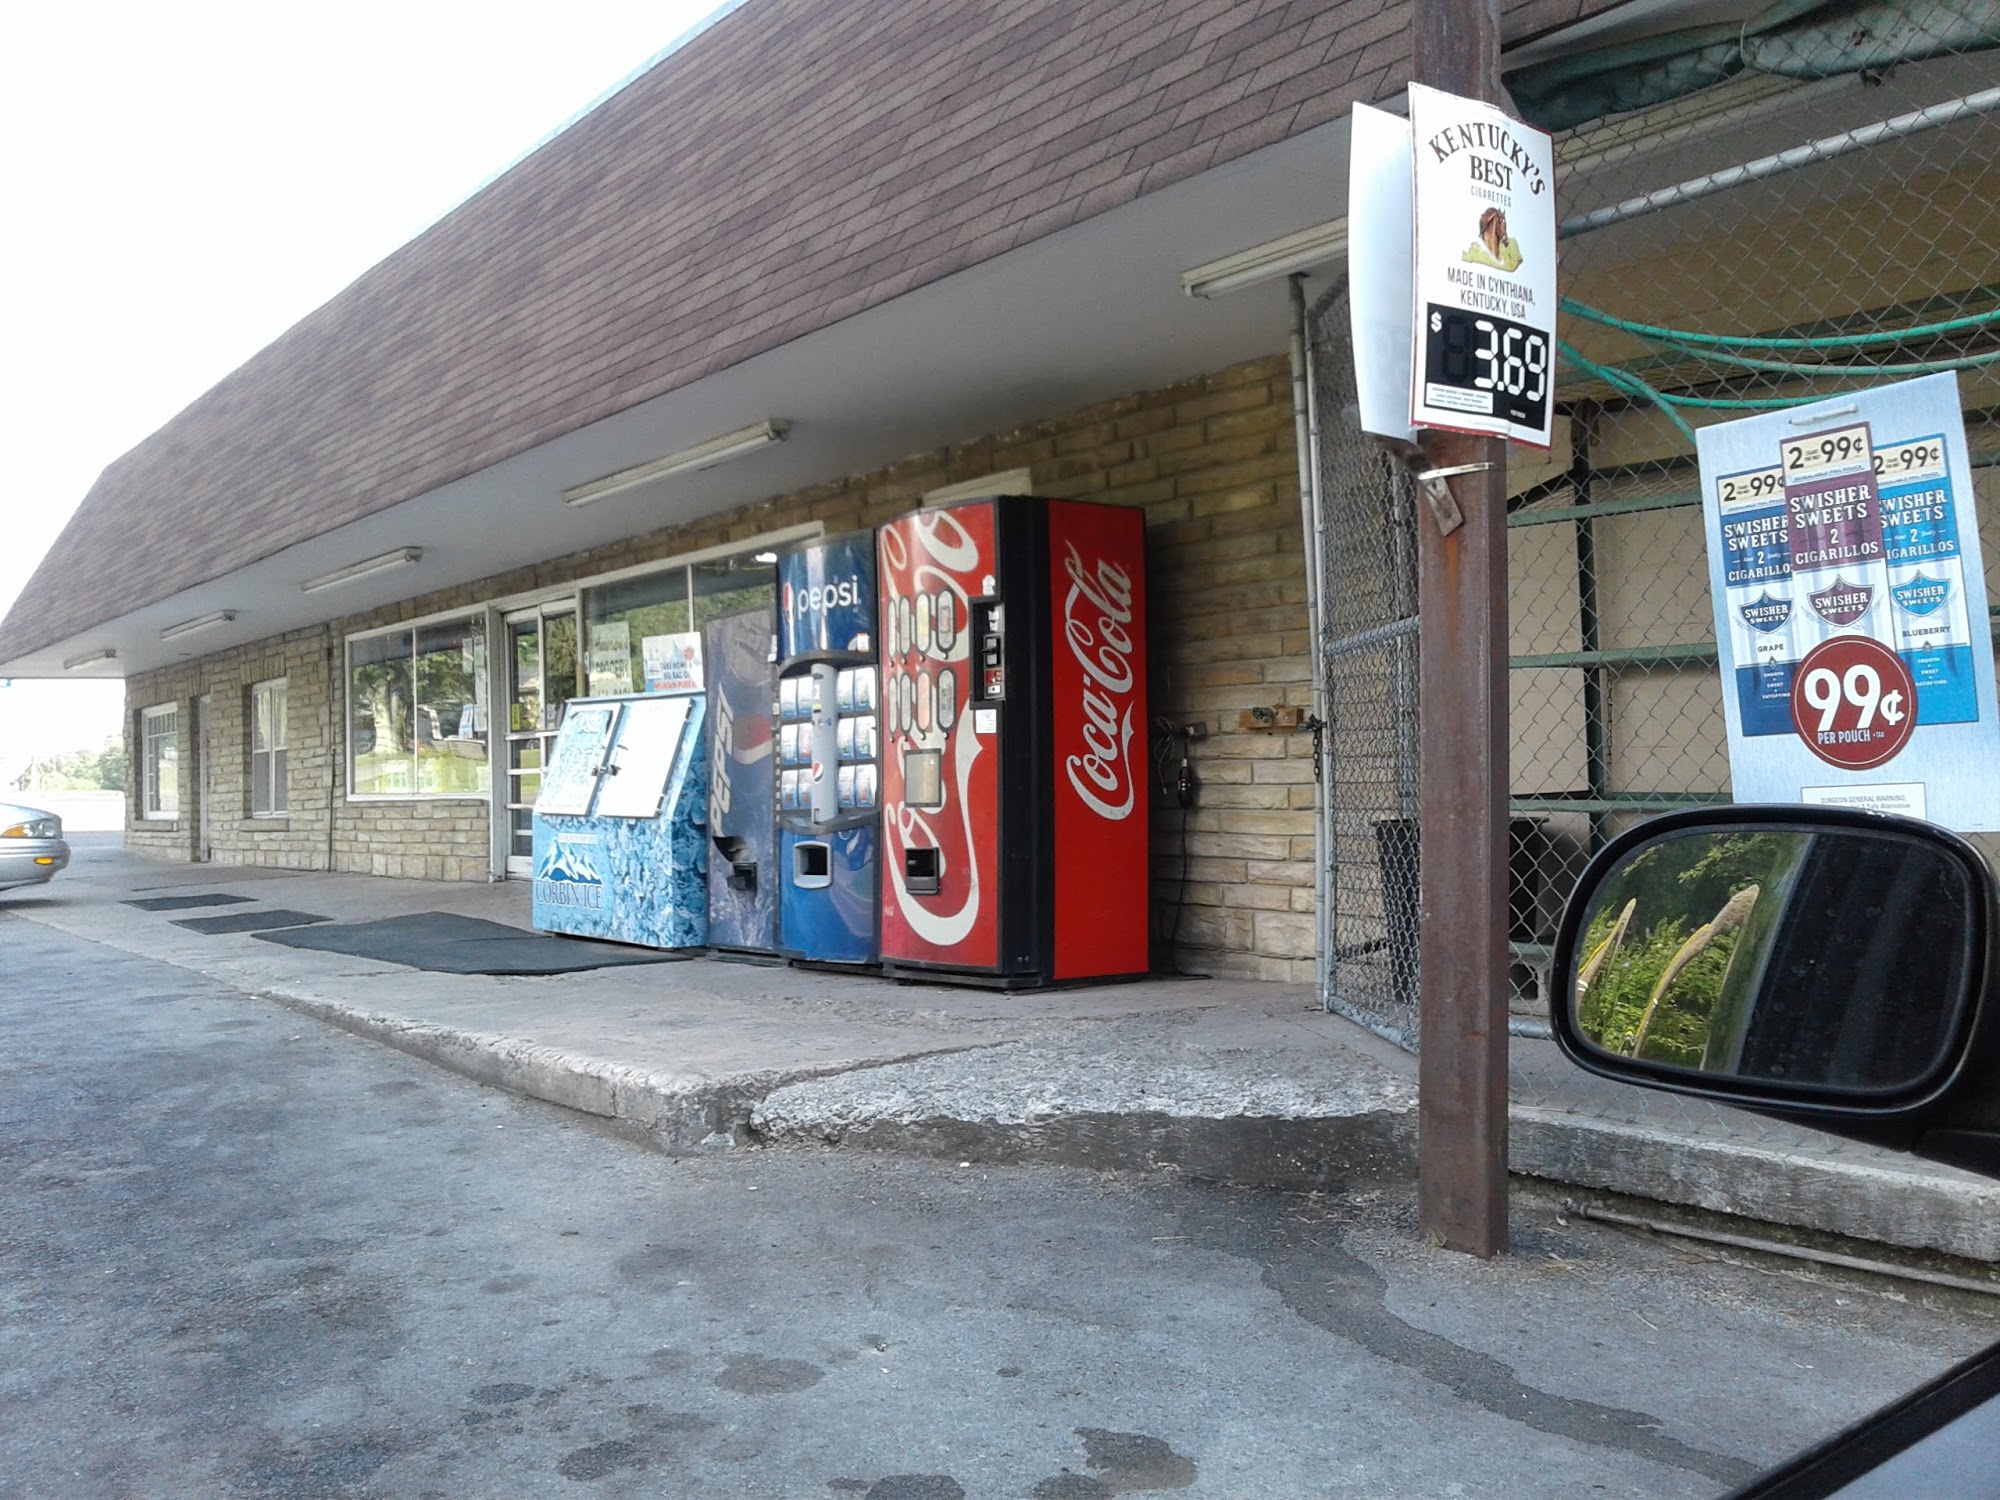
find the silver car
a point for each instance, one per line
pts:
(31, 846)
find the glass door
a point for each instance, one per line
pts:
(541, 679)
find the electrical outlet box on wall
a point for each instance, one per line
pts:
(1276, 718)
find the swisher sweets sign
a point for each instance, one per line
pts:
(1850, 600)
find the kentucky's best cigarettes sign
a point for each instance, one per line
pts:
(1483, 351)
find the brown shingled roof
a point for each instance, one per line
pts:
(796, 163)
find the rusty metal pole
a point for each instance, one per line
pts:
(1462, 601)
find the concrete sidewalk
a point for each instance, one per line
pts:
(1245, 1083)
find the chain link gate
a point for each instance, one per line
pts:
(1710, 268)
(1370, 749)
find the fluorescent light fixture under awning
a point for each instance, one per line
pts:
(686, 461)
(90, 658)
(199, 622)
(367, 567)
(1265, 262)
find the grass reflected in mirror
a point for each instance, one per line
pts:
(1665, 951)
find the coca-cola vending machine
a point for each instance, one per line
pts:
(1014, 848)
(828, 785)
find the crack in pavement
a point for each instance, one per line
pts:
(1343, 1294)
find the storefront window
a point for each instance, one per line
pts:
(416, 712)
(731, 585)
(618, 621)
(379, 722)
(451, 709)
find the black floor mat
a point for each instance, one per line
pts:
(445, 943)
(249, 921)
(184, 903)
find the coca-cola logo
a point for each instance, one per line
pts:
(1097, 620)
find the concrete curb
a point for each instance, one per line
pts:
(677, 1113)
(1239, 1150)
(1921, 1209)
(866, 1108)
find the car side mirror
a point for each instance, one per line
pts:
(1827, 966)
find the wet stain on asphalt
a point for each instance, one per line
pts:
(757, 1375)
(1134, 1461)
(601, 1459)
(1125, 1462)
(516, 1283)
(1346, 1296)
(328, 1467)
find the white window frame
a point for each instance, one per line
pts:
(279, 783)
(474, 619)
(150, 806)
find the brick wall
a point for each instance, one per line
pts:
(1211, 461)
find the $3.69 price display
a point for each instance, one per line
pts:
(1498, 367)
(1854, 702)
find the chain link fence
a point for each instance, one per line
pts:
(1872, 257)
(1370, 754)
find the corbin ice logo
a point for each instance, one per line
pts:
(1097, 614)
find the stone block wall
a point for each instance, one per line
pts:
(1211, 461)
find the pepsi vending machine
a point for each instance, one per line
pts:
(1014, 733)
(828, 776)
(742, 784)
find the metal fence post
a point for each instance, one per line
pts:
(1462, 600)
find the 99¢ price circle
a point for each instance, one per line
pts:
(1853, 702)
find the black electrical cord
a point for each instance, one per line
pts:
(1169, 737)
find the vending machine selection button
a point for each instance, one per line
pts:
(947, 621)
(947, 698)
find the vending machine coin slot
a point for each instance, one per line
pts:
(921, 868)
(812, 865)
(989, 626)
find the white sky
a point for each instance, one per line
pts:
(186, 181)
